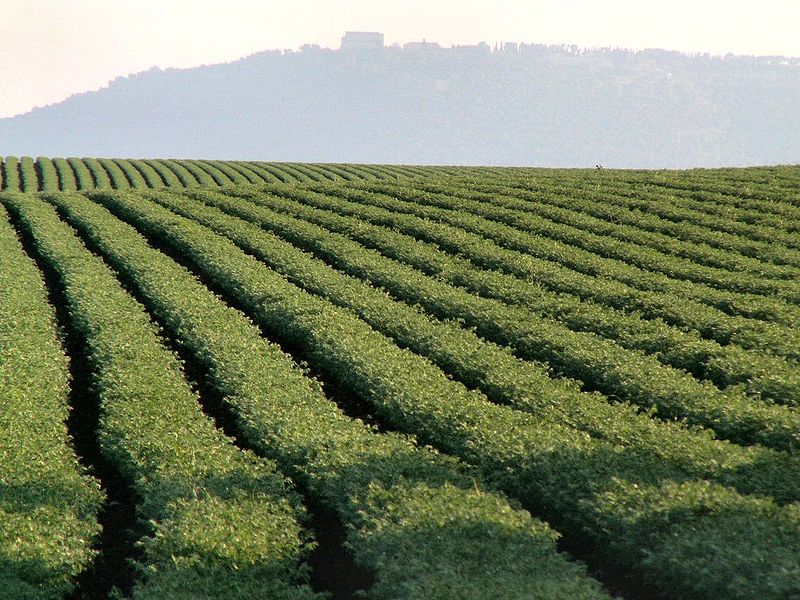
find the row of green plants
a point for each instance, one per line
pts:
(221, 519)
(588, 210)
(459, 352)
(83, 178)
(421, 522)
(48, 503)
(28, 178)
(639, 513)
(710, 189)
(224, 173)
(738, 216)
(602, 364)
(102, 179)
(673, 308)
(117, 177)
(58, 174)
(135, 176)
(657, 211)
(581, 251)
(9, 169)
(767, 377)
(66, 178)
(48, 176)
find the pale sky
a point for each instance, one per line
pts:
(50, 49)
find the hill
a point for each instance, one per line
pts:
(520, 105)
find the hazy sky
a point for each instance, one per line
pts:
(50, 49)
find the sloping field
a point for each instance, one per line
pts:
(276, 380)
(69, 174)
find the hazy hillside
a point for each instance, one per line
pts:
(532, 105)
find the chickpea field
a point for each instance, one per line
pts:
(233, 379)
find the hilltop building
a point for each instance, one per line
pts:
(362, 40)
(421, 46)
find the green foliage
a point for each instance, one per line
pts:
(48, 504)
(29, 180)
(83, 177)
(683, 262)
(47, 174)
(602, 364)
(762, 376)
(212, 508)
(221, 172)
(564, 473)
(151, 177)
(342, 461)
(461, 353)
(131, 173)
(581, 251)
(183, 175)
(117, 177)
(10, 172)
(480, 312)
(66, 178)
(169, 179)
(198, 173)
(101, 178)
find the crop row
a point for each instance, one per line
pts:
(58, 174)
(738, 196)
(772, 214)
(743, 230)
(767, 377)
(48, 505)
(461, 353)
(221, 519)
(585, 252)
(673, 308)
(639, 513)
(739, 215)
(418, 520)
(599, 213)
(602, 364)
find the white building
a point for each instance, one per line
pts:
(362, 40)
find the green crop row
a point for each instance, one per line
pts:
(461, 353)
(132, 174)
(48, 177)
(742, 220)
(181, 173)
(764, 376)
(48, 505)
(659, 212)
(576, 249)
(221, 519)
(769, 377)
(89, 173)
(29, 180)
(228, 171)
(605, 366)
(641, 515)
(708, 191)
(595, 212)
(117, 177)
(66, 178)
(101, 179)
(269, 173)
(10, 172)
(415, 518)
(198, 175)
(83, 178)
(672, 308)
(250, 176)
